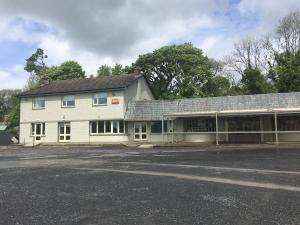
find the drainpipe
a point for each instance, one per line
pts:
(217, 130)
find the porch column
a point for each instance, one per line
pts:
(261, 123)
(276, 131)
(217, 130)
(173, 130)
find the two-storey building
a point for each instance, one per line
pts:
(81, 110)
(118, 109)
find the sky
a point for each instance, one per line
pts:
(96, 32)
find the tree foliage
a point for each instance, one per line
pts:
(106, 70)
(287, 71)
(66, 71)
(9, 109)
(176, 71)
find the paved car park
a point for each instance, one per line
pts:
(90, 185)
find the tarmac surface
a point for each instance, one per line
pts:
(77, 185)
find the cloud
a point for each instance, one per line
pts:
(13, 77)
(95, 32)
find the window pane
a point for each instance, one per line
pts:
(43, 129)
(121, 126)
(144, 127)
(101, 127)
(39, 103)
(61, 129)
(115, 126)
(38, 129)
(100, 98)
(32, 128)
(68, 129)
(107, 127)
(156, 127)
(69, 100)
(93, 127)
(68, 138)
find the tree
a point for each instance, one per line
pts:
(104, 70)
(9, 109)
(248, 53)
(66, 71)
(117, 69)
(288, 33)
(254, 82)
(287, 71)
(35, 65)
(176, 71)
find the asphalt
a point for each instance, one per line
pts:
(159, 186)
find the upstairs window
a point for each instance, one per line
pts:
(68, 101)
(100, 98)
(39, 103)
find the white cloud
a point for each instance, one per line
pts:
(13, 77)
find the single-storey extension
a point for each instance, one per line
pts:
(117, 109)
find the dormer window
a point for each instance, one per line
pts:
(39, 103)
(68, 101)
(100, 98)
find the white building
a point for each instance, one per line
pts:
(118, 109)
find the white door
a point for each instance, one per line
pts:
(140, 131)
(38, 131)
(64, 132)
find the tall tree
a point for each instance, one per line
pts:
(117, 69)
(66, 71)
(104, 70)
(254, 82)
(287, 71)
(288, 33)
(176, 71)
(35, 65)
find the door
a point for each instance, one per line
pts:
(64, 132)
(140, 131)
(38, 131)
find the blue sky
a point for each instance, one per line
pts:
(98, 32)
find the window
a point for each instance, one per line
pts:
(38, 129)
(156, 126)
(100, 98)
(39, 103)
(199, 125)
(68, 101)
(107, 127)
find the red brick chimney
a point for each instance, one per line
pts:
(136, 71)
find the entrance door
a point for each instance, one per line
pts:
(140, 131)
(38, 131)
(64, 132)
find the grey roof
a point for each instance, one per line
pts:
(82, 85)
(155, 109)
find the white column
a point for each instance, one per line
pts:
(261, 123)
(217, 130)
(276, 131)
(162, 129)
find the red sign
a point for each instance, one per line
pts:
(115, 101)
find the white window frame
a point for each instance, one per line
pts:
(35, 100)
(111, 127)
(66, 100)
(98, 96)
(33, 126)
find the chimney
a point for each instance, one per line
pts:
(136, 71)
